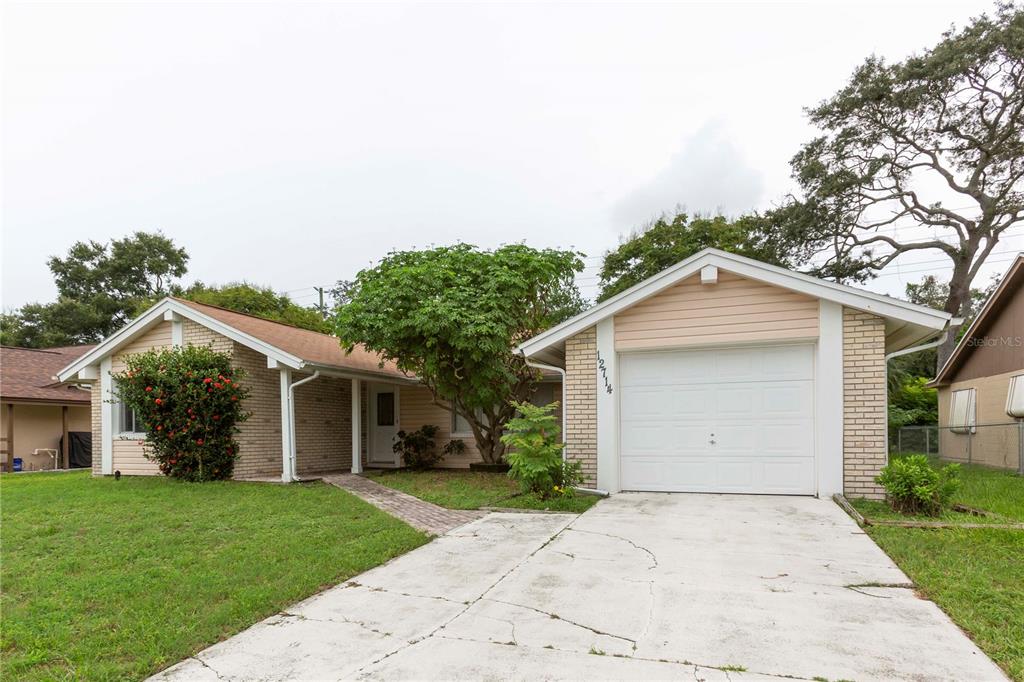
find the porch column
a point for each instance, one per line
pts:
(65, 447)
(357, 426)
(286, 426)
(10, 437)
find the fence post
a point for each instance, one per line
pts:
(899, 441)
(927, 440)
(1020, 447)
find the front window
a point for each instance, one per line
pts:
(129, 422)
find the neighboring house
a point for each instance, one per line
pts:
(37, 412)
(315, 408)
(724, 374)
(976, 381)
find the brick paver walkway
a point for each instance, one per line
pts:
(414, 511)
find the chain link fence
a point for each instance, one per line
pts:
(994, 445)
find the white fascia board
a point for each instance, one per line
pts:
(159, 312)
(342, 373)
(751, 269)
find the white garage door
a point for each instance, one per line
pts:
(736, 420)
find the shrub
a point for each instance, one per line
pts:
(455, 447)
(912, 485)
(190, 402)
(418, 449)
(535, 452)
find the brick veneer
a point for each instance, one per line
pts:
(259, 437)
(323, 425)
(864, 417)
(581, 402)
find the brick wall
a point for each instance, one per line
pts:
(195, 334)
(259, 439)
(323, 425)
(581, 402)
(864, 417)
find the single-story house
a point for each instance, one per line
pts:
(39, 415)
(978, 421)
(724, 374)
(315, 408)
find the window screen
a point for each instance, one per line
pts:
(385, 409)
(129, 422)
(961, 411)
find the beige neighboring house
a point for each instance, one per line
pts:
(977, 381)
(316, 409)
(724, 374)
(36, 412)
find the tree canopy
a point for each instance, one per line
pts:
(453, 316)
(100, 288)
(936, 140)
(669, 240)
(256, 300)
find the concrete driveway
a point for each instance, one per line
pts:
(642, 586)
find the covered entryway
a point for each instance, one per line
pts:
(737, 420)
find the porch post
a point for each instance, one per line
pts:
(286, 426)
(65, 447)
(357, 426)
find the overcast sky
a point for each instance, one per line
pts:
(291, 145)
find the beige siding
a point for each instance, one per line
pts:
(864, 417)
(129, 453)
(733, 310)
(994, 445)
(417, 408)
(38, 426)
(581, 402)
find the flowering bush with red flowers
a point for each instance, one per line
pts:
(190, 401)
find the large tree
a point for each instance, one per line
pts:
(669, 240)
(935, 140)
(453, 317)
(255, 300)
(100, 288)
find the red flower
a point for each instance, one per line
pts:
(149, 389)
(207, 380)
(199, 441)
(158, 401)
(218, 385)
(216, 417)
(234, 397)
(159, 427)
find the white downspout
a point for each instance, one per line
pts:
(291, 421)
(560, 371)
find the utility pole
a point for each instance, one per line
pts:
(321, 307)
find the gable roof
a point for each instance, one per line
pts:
(1009, 286)
(289, 346)
(26, 374)
(906, 323)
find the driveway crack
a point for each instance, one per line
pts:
(208, 667)
(565, 620)
(654, 559)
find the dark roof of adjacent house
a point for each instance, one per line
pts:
(28, 374)
(313, 347)
(1009, 286)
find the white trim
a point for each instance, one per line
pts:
(709, 274)
(828, 400)
(867, 301)
(608, 461)
(357, 425)
(106, 418)
(286, 425)
(371, 413)
(177, 331)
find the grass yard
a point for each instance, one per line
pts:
(975, 575)
(107, 579)
(463, 489)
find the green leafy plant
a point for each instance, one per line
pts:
(455, 447)
(418, 449)
(535, 452)
(913, 486)
(190, 402)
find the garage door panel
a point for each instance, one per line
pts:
(736, 420)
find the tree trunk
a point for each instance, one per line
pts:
(958, 304)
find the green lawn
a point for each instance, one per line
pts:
(975, 575)
(107, 579)
(461, 489)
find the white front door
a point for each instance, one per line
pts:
(383, 414)
(737, 420)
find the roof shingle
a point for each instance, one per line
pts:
(28, 374)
